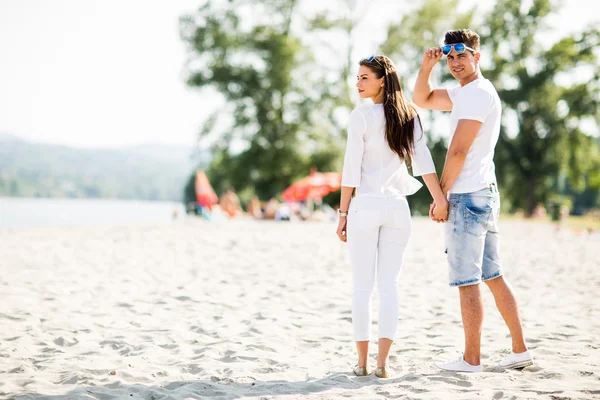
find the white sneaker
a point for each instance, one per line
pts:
(458, 365)
(514, 360)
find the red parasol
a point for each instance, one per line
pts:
(205, 194)
(316, 185)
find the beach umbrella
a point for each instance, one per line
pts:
(315, 186)
(205, 194)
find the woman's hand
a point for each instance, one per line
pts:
(439, 211)
(341, 230)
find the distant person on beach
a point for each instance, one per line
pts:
(254, 208)
(539, 212)
(469, 180)
(230, 204)
(382, 138)
(271, 209)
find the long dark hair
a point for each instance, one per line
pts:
(399, 114)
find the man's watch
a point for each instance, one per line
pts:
(342, 213)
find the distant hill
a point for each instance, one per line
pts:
(146, 172)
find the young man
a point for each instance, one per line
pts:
(469, 181)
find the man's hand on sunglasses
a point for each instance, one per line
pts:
(431, 57)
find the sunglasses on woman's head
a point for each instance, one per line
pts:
(372, 58)
(459, 47)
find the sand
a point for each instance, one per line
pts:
(261, 310)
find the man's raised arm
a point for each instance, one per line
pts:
(424, 95)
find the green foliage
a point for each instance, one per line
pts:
(261, 71)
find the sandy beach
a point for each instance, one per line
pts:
(261, 310)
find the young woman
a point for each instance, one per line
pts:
(382, 138)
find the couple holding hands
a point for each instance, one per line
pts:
(374, 216)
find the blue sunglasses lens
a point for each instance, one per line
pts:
(459, 47)
(370, 59)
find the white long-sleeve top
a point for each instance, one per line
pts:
(371, 166)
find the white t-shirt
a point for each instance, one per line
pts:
(369, 163)
(479, 101)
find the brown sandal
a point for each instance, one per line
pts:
(382, 372)
(360, 371)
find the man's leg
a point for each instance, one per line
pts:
(471, 308)
(465, 240)
(503, 294)
(465, 255)
(507, 305)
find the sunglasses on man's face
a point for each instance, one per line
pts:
(458, 47)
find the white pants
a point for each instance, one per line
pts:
(378, 230)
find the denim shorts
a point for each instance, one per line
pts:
(472, 236)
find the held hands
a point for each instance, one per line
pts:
(341, 230)
(431, 57)
(438, 211)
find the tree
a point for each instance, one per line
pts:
(539, 88)
(273, 100)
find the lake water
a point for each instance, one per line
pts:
(34, 212)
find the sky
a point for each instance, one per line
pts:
(108, 73)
